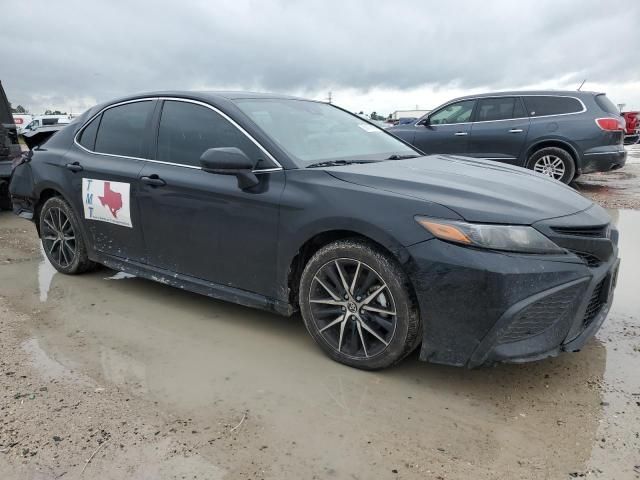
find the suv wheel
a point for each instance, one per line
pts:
(356, 303)
(553, 162)
(61, 238)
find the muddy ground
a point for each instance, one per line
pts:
(109, 377)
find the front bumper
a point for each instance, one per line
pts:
(481, 307)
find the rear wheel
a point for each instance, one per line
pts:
(61, 238)
(356, 303)
(553, 162)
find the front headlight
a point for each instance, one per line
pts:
(511, 238)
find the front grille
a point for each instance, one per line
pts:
(590, 259)
(595, 304)
(536, 317)
(597, 231)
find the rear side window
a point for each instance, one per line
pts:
(187, 130)
(607, 105)
(541, 105)
(501, 108)
(122, 129)
(88, 136)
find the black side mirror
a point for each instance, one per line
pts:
(230, 161)
(424, 122)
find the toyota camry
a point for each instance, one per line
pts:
(290, 205)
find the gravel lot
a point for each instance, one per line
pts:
(104, 376)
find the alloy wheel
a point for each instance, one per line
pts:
(58, 237)
(551, 166)
(352, 308)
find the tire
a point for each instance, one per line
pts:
(62, 239)
(348, 330)
(553, 162)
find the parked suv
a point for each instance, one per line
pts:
(559, 134)
(9, 148)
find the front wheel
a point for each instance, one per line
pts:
(61, 238)
(357, 304)
(553, 162)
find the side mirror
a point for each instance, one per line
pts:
(230, 161)
(424, 122)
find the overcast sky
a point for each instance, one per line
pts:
(378, 55)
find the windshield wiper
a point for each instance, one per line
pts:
(401, 157)
(338, 163)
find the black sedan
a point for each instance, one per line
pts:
(286, 204)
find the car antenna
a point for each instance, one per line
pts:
(582, 84)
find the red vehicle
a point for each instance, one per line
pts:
(632, 132)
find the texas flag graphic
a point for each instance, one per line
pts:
(106, 201)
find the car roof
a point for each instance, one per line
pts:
(570, 93)
(205, 95)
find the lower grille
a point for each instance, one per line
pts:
(595, 305)
(540, 315)
(590, 259)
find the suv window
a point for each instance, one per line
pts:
(459, 112)
(551, 105)
(607, 105)
(88, 136)
(187, 130)
(501, 108)
(122, 129)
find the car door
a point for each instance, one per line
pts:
(445, 130)
(202, 224)
(499, 130)
(103, 170)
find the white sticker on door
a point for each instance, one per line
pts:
(106, 201)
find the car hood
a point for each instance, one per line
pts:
(478, 190)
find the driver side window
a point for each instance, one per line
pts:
(459, 112)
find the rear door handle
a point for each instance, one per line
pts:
(515, 130)
(460, 134)
(74, 167)
(153, 180)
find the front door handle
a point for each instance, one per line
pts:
(153, 180)
(74, 167)
(515, 130)
(460, 134)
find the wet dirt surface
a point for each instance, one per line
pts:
(108, 376)
(617, 189)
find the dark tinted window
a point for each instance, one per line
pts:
(551, 105)
(607, 105)
(88, 136)
(459, 112)
(122, 129)
(187, 130)
(500, 108)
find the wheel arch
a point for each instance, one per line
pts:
(557, 143)
(319, 239)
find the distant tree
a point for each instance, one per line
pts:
(18, 109)
(360, 112)
(373, 116)
(54, 112)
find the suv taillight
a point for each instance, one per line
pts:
(610, 124)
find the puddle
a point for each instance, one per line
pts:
(46, 273)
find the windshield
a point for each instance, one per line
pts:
(312, 132)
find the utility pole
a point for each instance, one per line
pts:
(329, 97)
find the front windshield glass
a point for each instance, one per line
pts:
(312, 132)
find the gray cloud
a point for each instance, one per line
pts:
(78, 51)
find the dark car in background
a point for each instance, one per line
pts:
(9, 148)
(559, 134)
(287, 204)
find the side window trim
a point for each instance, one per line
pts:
(154, 129)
